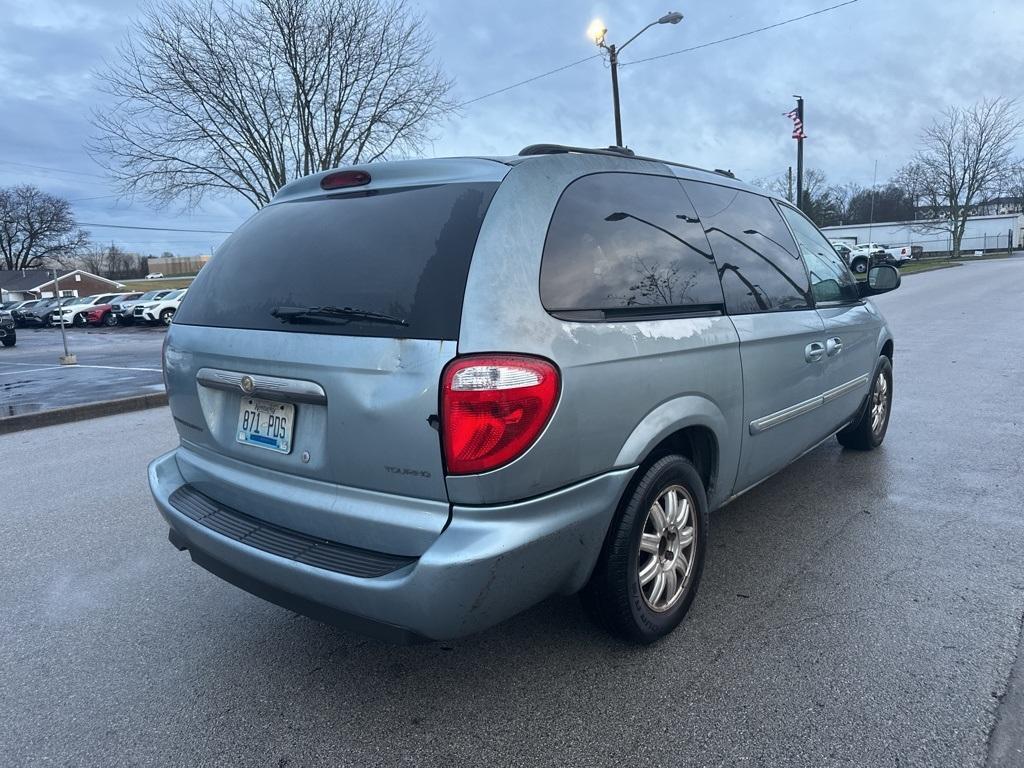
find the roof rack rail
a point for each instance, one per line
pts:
(555, 149)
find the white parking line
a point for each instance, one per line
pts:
(32, 370)
(65, 367)
(118, 368)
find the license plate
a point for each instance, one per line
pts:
(266, 424)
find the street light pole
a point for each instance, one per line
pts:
(597, 32)
(613, 59)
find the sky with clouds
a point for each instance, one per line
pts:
(873, 74)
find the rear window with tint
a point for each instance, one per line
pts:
(403, 253)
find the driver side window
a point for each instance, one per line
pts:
(831, 279)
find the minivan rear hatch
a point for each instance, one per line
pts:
(310, 348)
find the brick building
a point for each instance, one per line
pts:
(21, 284)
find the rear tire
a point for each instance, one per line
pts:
(649, 569)
(868, 432)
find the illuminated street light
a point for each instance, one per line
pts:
(596, 32)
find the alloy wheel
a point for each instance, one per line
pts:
(879, 403)
(667, 547)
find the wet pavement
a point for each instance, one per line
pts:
(858, 609)
(112, 363)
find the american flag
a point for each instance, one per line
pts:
(798, 124)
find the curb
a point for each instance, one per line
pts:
(81, 412)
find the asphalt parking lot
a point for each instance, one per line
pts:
(857, 609)
(112, 363)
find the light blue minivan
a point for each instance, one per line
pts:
(415, 398)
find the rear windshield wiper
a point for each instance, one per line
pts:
(332, 314)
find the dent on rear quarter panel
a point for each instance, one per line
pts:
(614, 375)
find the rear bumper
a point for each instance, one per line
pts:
(487, 565)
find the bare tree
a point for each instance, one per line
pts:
(37, 229)
(93, 259)
(775, 185)
(247, 96)
(821, 202)
(112, 261)
(965, 156)
(1015, 186)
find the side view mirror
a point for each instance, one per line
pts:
(882, 278)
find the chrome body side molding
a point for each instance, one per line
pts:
(258, 385)
(780, 417)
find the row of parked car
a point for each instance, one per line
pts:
(107, 309)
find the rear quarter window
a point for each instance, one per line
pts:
(403, 253)
(626, 244)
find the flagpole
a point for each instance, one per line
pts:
(800, 153)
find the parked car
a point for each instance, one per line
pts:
(103, 314)
(124, 310)
(75, 313)
(161, 310)
(8, 333)
(418, 413)
(154, 275)
(42, 313)
(17, 308)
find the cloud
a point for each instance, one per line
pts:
(873, 74)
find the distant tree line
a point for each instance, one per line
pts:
(114, 262)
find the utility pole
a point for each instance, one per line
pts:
(871, 217)
(800, 152)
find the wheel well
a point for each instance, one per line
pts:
(698, 444)
(887, 349)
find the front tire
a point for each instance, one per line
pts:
(166, 316)
(860, 266)
(868, 432)
(650, 566)
(9, 341)
(79, 320)
(110, 319)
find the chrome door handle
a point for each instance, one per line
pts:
(814, 351)
(834, 346)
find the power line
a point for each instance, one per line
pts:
(737, 37)
(97, 197)
(155, 229)
(55, 170)
(529, 80)
(660, 56)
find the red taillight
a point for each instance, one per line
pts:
(341, 179)
(493, 407)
